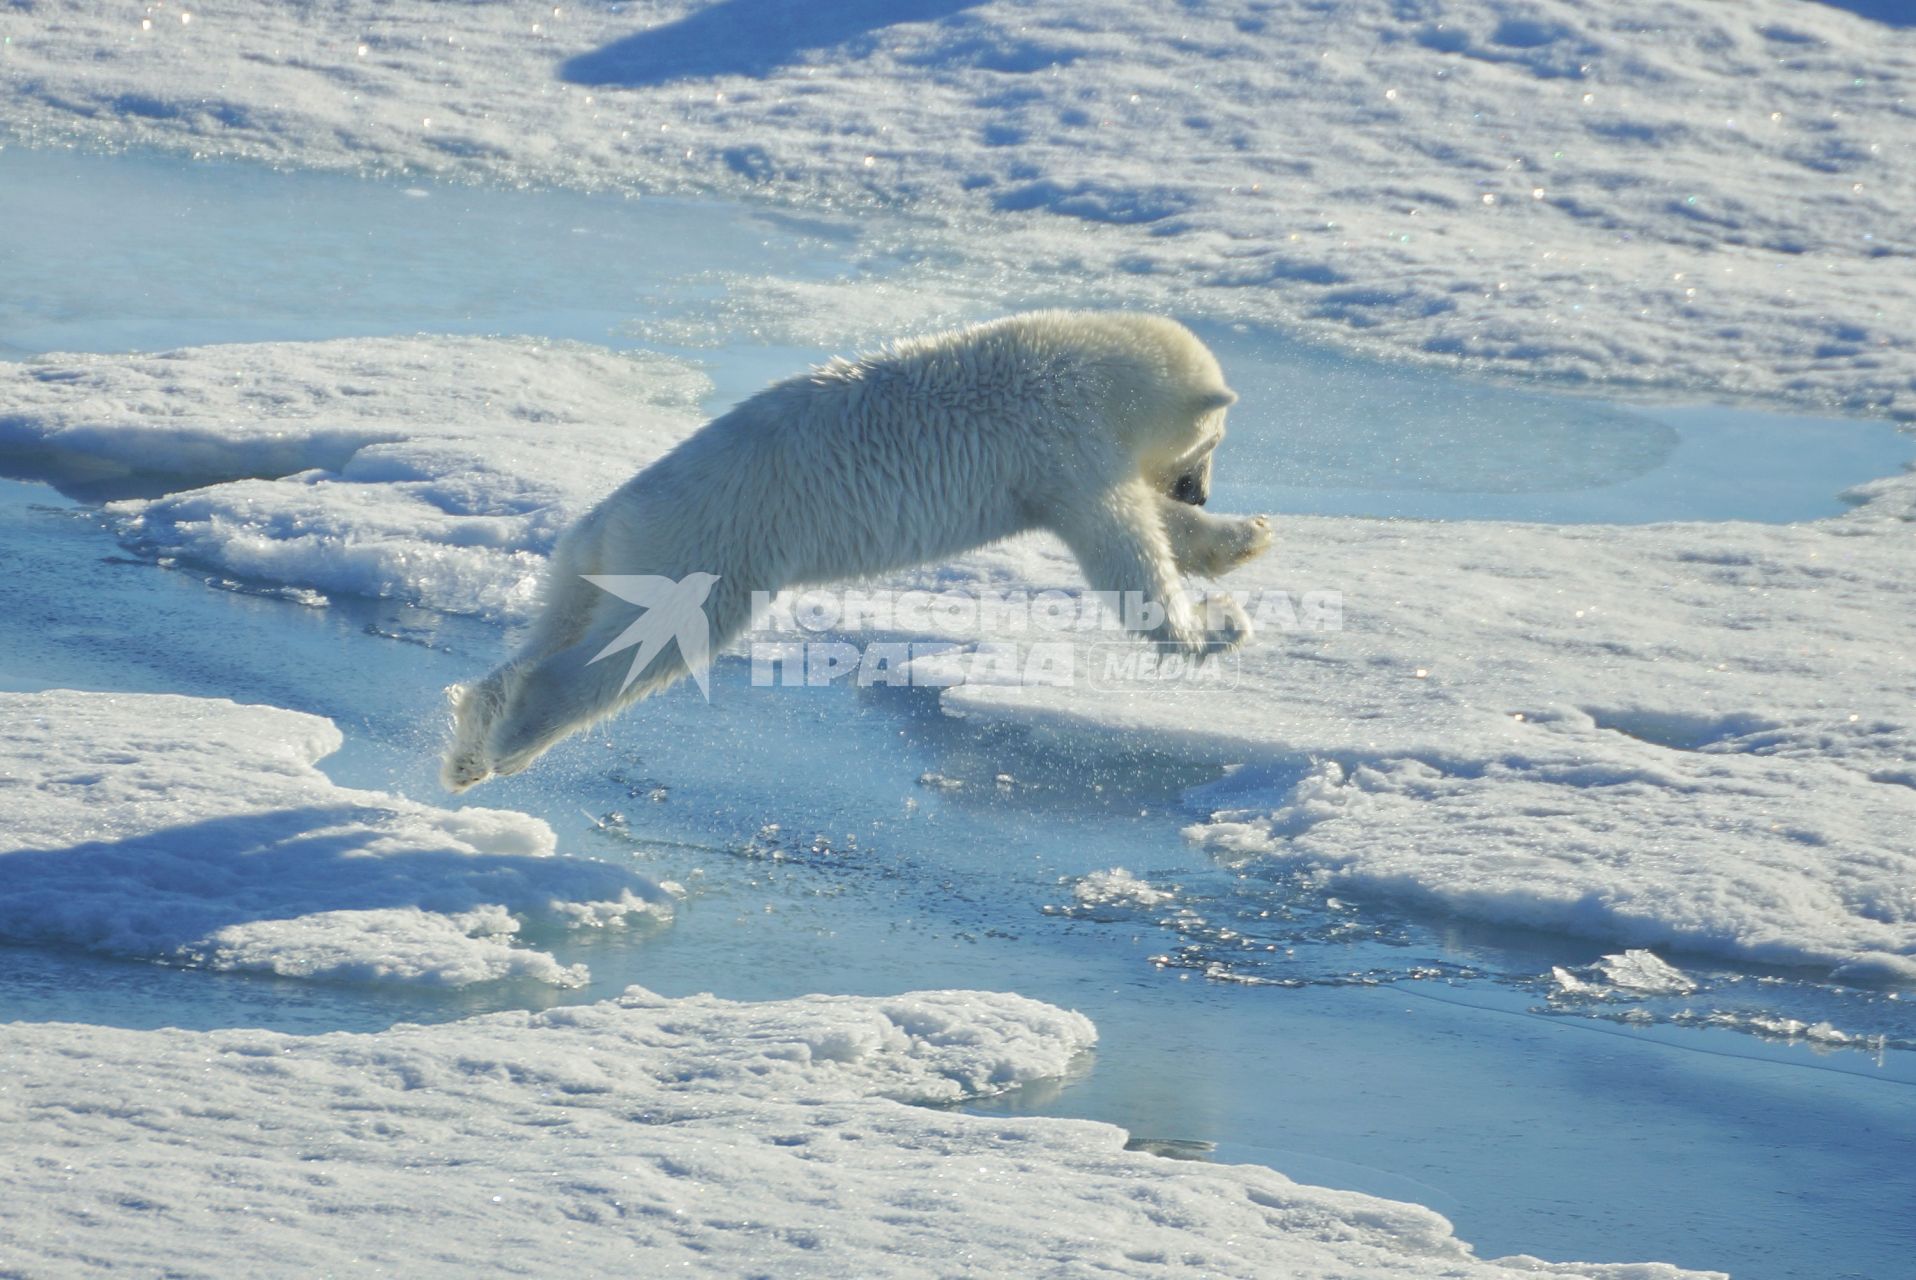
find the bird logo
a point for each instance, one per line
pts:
(674, 611)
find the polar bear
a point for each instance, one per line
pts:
(1097, 426)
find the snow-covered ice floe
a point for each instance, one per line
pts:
(1690, 736)
(438, 470)
(1535, 187)
(198, 832)
(643, 1134)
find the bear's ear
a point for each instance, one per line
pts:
(1209, 400)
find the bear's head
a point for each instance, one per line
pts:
(1164, 395)
(1187, 476)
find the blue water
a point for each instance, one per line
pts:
(132, 253)
(1343, 1042)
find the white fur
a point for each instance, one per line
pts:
(1077, 422)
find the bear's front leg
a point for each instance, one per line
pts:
(1123, 547)
(1211, 546)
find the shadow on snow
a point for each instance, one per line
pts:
(744, 37)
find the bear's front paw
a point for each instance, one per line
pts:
(1228, 543)
(1252, 538)
(1224, 627)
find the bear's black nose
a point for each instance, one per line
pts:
(1190, 491)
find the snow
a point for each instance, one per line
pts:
(696, 1134)
(1688, 736)
(191, 831)
(1535, 187)
(436, 469)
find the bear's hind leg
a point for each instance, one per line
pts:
(566, 691)
(477, 708)
(550, 698)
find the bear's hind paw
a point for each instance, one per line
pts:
(463, 769)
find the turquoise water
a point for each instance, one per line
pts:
(141, 253)
(1343, 1042)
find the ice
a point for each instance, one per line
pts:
(1678, 735)
(1629, 973)
(198, 831)
(1117, 889)
(698, 1134)
(437, 470)
(1536, 189)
